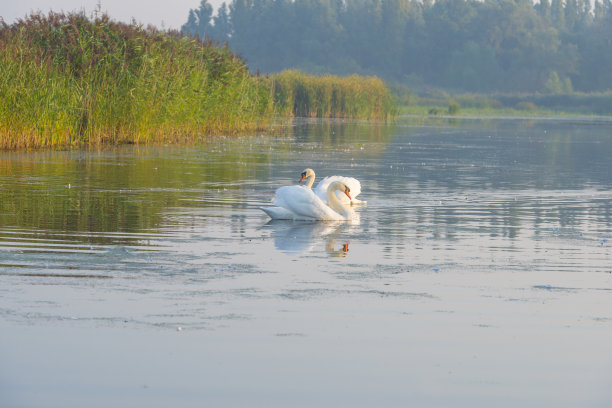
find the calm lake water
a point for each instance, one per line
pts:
(478, 274)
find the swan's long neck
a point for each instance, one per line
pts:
(310, 180)
(335, 204)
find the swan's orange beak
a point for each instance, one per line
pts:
(347, 194)
(302, 178)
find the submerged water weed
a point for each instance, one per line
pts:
(69, 80)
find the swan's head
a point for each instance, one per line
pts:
(306, 174)
(340, 186)
(347, 191)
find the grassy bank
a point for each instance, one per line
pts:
(299, 94)
(570, 104)
(69, 80)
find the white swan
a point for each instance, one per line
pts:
(301, 203)
(321, 189)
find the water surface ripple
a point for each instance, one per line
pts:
(479, 273)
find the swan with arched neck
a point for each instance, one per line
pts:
(308, 175)
(301, 203)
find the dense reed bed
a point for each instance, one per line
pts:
(67, 80)
(299, 94)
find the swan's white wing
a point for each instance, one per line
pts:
(352, 183)
(295, 203)
(287, 193)
(305, 204)
(280, 210)
(278, 213)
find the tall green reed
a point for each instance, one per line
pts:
(67, 80)
(299, 94)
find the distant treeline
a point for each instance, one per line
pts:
(67, 80)
(441, 102)
(577, 102)
(552, 46)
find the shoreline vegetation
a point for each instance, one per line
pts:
(66, 80)
(440, 103)
(297, 94)
(69, 80)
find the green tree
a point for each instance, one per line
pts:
(479, 45)
(361, 22)
(394, 18)
(473, 67)
(557, 14)
(555, 85)
(524, 46)
(222, 29)
(571, 14)
(449, 25)
(198, 22)
(595, 48)
(543, 9)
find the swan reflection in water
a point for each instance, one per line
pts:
(295, 237)
(330, 248)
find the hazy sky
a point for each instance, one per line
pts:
(173, 13)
